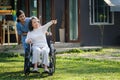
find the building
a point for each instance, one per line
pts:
(88, 22)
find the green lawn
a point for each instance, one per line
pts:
(67, 68)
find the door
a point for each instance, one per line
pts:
(72, 20)
(35, 8)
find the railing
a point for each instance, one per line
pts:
(6, 27)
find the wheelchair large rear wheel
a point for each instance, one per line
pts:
(26, 66)
(52, 64)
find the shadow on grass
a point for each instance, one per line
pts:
(11, 75)
(19, 75)
(12, 60)
(15, 63)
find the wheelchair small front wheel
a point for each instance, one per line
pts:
(26, 74)
(52, 65)
(51, 72)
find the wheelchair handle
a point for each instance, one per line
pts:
(30, 47)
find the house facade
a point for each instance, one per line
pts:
(96, 13)
(88, 22)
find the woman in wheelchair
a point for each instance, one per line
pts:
(37, 37)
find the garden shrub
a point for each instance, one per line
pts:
(9, 54)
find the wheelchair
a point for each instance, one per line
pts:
(52, 58)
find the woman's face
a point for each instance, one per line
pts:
(35, 23)
(22, 17)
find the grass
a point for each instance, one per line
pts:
(67, 68)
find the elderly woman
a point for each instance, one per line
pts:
(37, 36)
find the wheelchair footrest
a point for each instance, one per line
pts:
(39, 66)
(34, 72)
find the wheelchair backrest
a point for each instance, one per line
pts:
(49, 39)
(50, 43)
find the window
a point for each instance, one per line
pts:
(33, 7)
(48, 13)
(100, 13)
(73, 19)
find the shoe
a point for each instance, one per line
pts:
(35, 70)
(46, 70)
(39, 63)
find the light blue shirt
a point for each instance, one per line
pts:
(23, 28)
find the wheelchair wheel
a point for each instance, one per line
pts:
(52, 64)
(26, 65)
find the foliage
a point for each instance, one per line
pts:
(74, 51)
(77, 50)
(11, 54)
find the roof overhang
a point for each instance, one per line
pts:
(114, 4)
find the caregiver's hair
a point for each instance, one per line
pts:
(19, 12)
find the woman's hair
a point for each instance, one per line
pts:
(30, 23)
(19, 12)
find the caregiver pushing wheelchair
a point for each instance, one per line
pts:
(40, 46)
